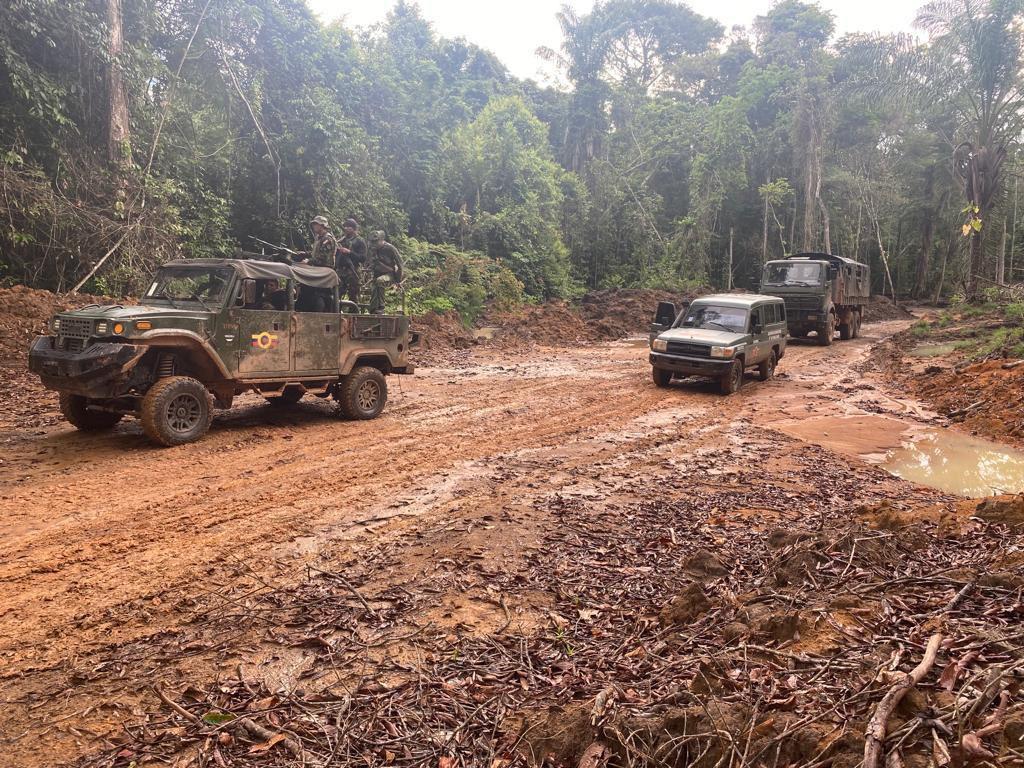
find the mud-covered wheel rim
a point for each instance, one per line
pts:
(737, 375)
(368, 396)
(184, 413)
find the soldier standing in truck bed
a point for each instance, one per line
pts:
(351, 255)
(387, 267)
(324, 243)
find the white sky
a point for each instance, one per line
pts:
(514, 30)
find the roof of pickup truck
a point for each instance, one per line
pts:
(736, 299)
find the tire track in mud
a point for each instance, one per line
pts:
(104, 540)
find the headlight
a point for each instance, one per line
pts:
(101, 328)
(56, 324)
(723, 351)
(659, 345)
(118, 328)
(143, 325)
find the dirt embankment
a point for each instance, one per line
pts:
(882, 308)
(955, 362)
(24, 313)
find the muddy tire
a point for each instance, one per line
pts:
(176, 410)
(662, 378)
(363, 393)
(846, 331)
(856, 326)
(766, 368)
(827, 332)
(289, 396)
(75, 409)
(731, 382)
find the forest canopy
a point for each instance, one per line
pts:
(677, 153)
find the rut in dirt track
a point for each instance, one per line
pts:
(106, 541)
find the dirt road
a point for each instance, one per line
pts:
(123, 565)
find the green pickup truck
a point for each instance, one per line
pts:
(208, 330)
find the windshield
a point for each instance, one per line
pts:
(715, 318)
(793, 273)
(175, 285)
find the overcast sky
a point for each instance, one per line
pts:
(514, 29)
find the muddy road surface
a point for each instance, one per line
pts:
(124, 566)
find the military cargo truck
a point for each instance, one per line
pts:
(208, 330)
(823, 293)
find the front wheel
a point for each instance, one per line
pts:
(662, 378)
(363, 393)
(731, 382)
(766, 368)
(827, 332)
(76, 409)
(176, 410)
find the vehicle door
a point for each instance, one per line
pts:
(316, 332)
(264, 335)
(758, 336)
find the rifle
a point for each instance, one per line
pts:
(280, 248)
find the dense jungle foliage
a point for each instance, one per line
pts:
(676, 153)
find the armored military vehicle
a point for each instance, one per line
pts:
(208, 330)
(718, 337)
(822, 293)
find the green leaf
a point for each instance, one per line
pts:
(976, 225)
(217, 718)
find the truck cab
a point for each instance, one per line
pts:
(208, 330)
(718, 337)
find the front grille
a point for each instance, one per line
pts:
(375, 327)
(803, 302)
(76, 327)
(687, 349)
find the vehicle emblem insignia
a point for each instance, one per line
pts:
(264, 340)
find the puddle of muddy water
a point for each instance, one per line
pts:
(958, 464)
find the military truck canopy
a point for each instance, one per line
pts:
(315, 277)
(830, 257)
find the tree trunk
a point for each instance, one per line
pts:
(927, 236)
(974, 266)
(764, 234)
(1001, 261)
(118, 123)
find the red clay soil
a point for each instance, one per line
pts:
(984, 397)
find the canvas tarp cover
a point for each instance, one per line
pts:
(315, 277)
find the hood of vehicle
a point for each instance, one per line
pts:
(713, 338)
(135, 312)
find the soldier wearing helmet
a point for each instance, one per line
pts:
(351, 255)
(321, 253)
(387, 267)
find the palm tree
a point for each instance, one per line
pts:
(971, 69)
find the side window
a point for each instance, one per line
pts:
(245, 295)
(782, 312)
(755, 319)
(772, 314)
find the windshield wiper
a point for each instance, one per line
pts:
(720, 325)
(165, 297)
(199, 298)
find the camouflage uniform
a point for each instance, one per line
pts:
(347, 264)
(324, 246)
(386, 263)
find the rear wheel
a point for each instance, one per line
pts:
(363, 393)
(731, 382)
(846, 331)
(661, 377)
(856, 325)
(176, 410)
(766, 369)
(77, 411)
